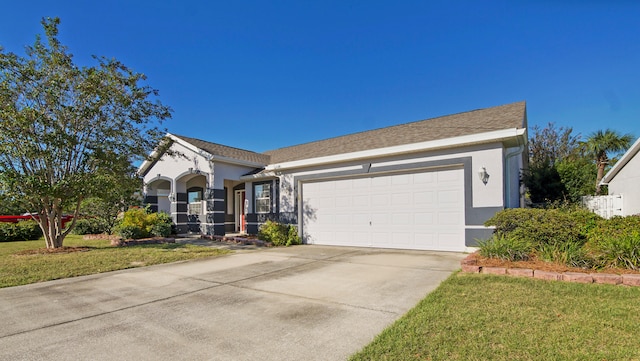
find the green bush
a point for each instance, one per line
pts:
(506, 248)
(159, 224)
(140, 223)
(570, 236)
(279, 234)
(21, 231)
(543, 226)
(615, 242)
(91, 226)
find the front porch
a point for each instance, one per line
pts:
(197, 208)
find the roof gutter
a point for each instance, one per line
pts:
(507, 183)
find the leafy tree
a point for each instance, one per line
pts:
(70, 132)
(547, 148)
(9, 205)
(548, 145)
(113, 201)
(578, 175)
(544, 184)
(600, 145)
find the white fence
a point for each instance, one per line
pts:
(604, 206)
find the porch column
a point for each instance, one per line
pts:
(150, 199)
(179, 209)
(215, 212)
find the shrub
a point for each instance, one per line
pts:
(279, 234)
(21, 231)
(543, 226)
(506, 248)
(140, 223)
(91, 226)
(615, 242)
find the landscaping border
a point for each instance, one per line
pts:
(238, 240)
(470, 265)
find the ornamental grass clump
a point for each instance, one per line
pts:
(506, 248)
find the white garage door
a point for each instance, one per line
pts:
(409, 211)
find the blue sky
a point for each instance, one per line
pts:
(262, 75)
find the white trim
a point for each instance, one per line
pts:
(259, 176)
(208, 156)
(494, 136)
(479, 227)
(631, 152)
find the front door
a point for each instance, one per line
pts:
(241, 222)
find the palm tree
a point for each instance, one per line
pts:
(600, 144)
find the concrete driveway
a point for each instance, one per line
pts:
(296, 303)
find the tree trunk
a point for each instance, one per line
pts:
(50, 221)
(601, 165)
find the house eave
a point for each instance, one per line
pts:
(631, 152)
(218, 158)
(154, 156)
(481, 138)
(262, 175)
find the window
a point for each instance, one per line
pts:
(262, 196)
(194, 196)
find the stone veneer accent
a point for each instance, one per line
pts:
(470, 265)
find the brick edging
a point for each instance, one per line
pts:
(470, 265)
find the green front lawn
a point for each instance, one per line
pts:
(17, 269)
(483, 317)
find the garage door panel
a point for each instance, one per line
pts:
(410, 211)
(424, 197)
(423, 219)
(401, 199)
(449, 218)
(423, 178)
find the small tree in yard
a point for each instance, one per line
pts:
(70, 132)
(599, 145)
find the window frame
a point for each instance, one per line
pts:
(256, 198)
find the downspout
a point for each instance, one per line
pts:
(516, 152)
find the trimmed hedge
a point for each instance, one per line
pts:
(20, 231)
(91, 226)
(574, 237)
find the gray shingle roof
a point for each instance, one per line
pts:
(509, 116)
(226, 151)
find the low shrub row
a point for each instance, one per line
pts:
(91, 225)
(573, 237)
(20, 231)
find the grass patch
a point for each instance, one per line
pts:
(483, 317)
(18, 269)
